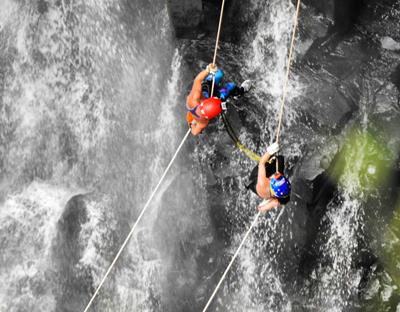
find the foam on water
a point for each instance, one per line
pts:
(95, 236)
(258, 284)
(259, 287)
(267, 58)
(89, 103)
(90, 94)
(138, 284)
(28, 227)
(336, 277)
(51, 93)
(7, 10)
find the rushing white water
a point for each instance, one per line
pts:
(336, 280)
(266, 59)
(255, 283)
(90, 88)
(28, 224)
(260, 281)
(91, 103)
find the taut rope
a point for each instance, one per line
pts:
(232, 260)
(277, 139)
(136, 223)
(217, 42)
(288, 66)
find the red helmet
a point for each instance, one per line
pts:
(210, 108)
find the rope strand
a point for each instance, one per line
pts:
(136, 223)
(219, 31)
(277, 140)
(288, 66)
(232, 260)
(217, 42)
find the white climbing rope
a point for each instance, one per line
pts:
(136, 223)
(288, 66)
(217, 42)
(232, 260)
(289, 62)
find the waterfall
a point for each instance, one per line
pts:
(87, 100)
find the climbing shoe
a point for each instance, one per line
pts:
(246, 85)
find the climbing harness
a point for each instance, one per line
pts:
(136, 223)
(249, 153)
(278, 131)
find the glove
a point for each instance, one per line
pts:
(212, 68)
(273, 148)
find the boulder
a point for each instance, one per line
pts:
(389, 44)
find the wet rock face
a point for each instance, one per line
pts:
(338, 66)
(395, 77)
(42, 6)
(347, 73)
(185, 15)
(325, 7)
(193, 18)
(343, 13)
(346, 14)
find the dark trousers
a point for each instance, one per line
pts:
(222, 91)
(270, 170)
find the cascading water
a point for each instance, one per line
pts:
(257, 284)
(91, 112)
(270, 40)
(269, 274)
(88, 95)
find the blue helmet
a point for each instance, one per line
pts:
(218, 76)
(280, 186)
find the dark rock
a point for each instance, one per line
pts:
(344, 13)
(42, 6)
(335, 69)
(395, 77)
(186, 15)
(324, 188)
(325, 102)
(192, 19)
(325, 7)
(74, 284)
